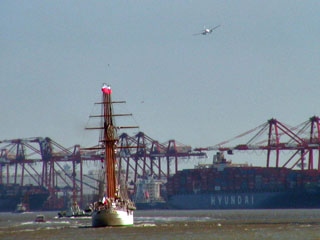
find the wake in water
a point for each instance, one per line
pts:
(44, 223)
(166, 219)
(144, 225)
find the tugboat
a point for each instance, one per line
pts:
(115, 208)
(75, 212)
(20, 208)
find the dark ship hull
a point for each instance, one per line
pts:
(244, 188)
(258, 200)
(8, 204)
(151, 205)
(33, 197)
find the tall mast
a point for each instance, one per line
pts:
(109, 138)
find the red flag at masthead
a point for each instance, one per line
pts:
(106, 89)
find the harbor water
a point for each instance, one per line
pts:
(169, 224)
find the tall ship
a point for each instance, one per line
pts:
(223, 185)
(115, 208)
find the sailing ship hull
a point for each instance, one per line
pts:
(112, 217)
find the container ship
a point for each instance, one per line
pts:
(223, 185)
(33, 197)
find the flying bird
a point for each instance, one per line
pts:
(207, 31)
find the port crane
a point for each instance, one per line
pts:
(273, 136)
(144, 155)
(43, 160)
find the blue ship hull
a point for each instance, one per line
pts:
(249, 200)
(152, 205)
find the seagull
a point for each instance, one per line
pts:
(207, 31)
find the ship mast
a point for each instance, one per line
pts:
(109, 139)
(112, 211)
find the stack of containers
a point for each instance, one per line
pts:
(241, 179)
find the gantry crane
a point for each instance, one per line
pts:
(42, 159)
(273, 136)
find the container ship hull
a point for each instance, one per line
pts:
(151, 205)
(33, 197)
(261, 200)
(8, 204)
(243, 188)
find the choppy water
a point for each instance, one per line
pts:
(204, 225)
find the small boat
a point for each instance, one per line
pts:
(115, 209)
(40, 218)
(20, 208)
(75, 212)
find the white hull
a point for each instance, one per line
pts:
(112, 217)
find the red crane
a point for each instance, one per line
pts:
(42, 159)
(25, 154)
(144, 155)
(276, 137)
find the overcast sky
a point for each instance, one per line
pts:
(262, 62)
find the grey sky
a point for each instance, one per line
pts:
(262, 62)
